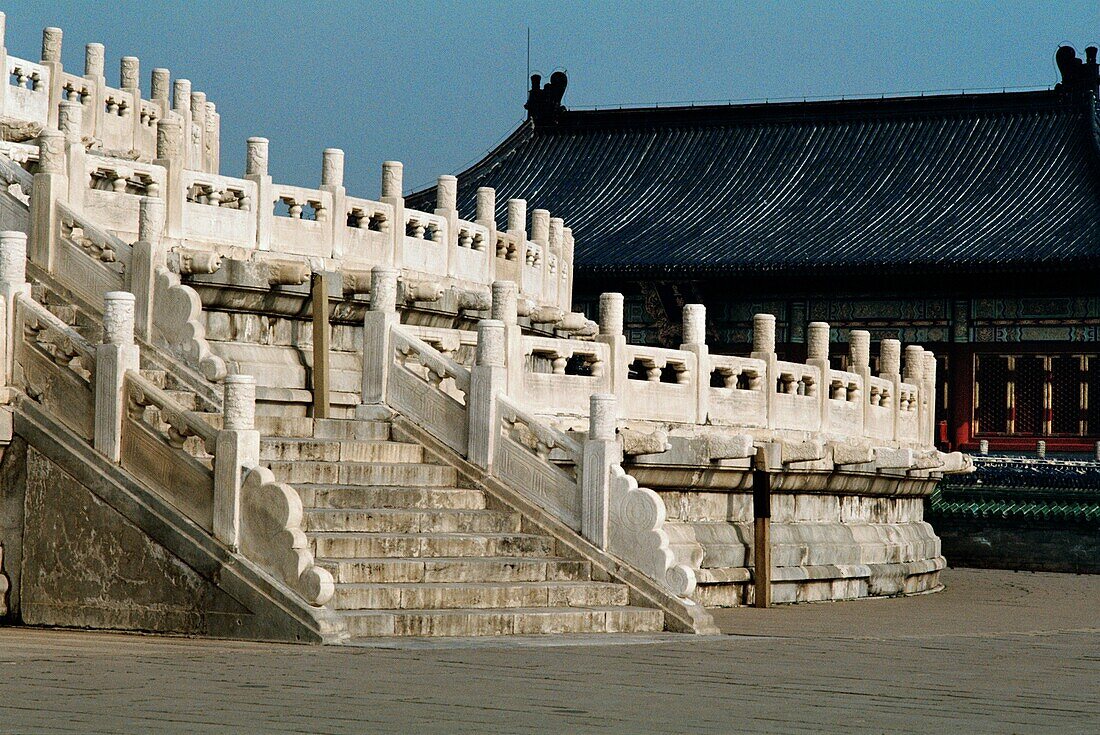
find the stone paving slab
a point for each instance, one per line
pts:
(1008, 653)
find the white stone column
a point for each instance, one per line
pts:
(160, 85)
(488, 379)
(170, 155)
(602, 449)
(130, 81)
(149, 255)
(505, 310)
(51, 184)
(517, 230)
(763, 348)
(392, 194)
(70, 120)
(94, 102)
(378, 323)
(553, 284)
(611, 334)
(695, 342)
(3, 65)
(446, 206)
(486, 216)
(51, 59)
(114, 358)
(196, 145)
(213, 138)
(859, 362)
(817, 355)
(13, 281)
(890, 369)
(255, 169)
(181, 105)
(237, 450)
(332, 180)
(566, 295)
(928, 396)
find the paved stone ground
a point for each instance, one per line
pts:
(997, 652)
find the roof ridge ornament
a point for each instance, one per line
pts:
(544, 103)
(1077, 75)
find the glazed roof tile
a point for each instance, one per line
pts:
(970, 182)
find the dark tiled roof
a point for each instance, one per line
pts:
(967, 182)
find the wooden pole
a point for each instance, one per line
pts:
(762, 516)
(318, 291)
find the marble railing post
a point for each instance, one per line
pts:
(551, 284)
(3, 65)
(149, 255)
(129, 76)
(517, 230)
(486, 216)
(378, 324)
(237, 450)
(51, 184)
(13, 281)
(859, 362)
(51, 59)
(817, 355)
(488, 379)
(505, 310)
(94, 103)
(611, 334)
(914, 375)
(695, 342)
(392, 178)
(170, 134)
(540, 235)
(213, 138)
(890, 370)
(332, 180)
(70, 120)
(181, 105)
(446, 206)
(601, 450)
(928, 397)
(763, 348)
(565, 295)
(255, 169)
(159, 85)
(196, 150)
(113, 359)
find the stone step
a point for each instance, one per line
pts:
(513, 621)
(365, 473)
(351, 545)
(331, 450)
(393, 520)
(185, 399)
(159, 378)
(351, 429)
(478, 595)
(457, 569)
(344, 496)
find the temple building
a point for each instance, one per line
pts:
(969, 223)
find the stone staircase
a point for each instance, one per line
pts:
(411, 551)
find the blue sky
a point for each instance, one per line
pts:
(436, 84)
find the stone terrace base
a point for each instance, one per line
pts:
(824, 547)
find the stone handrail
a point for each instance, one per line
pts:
(470, 411)
(180, 424)
(12, 173)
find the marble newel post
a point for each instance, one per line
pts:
(13, 281)
(486, 216)
(601, 450)
(113, 358)
(237, 451)
(611, 334)
(763, 348)
(51, 184)
(859, 362)
(393, 173)
(505, 309)
(148, 256)
(332, 180)
(255, 169)
(487, 381)
(377, 342)
(889, 363)
(817, 355)
(695, 341)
